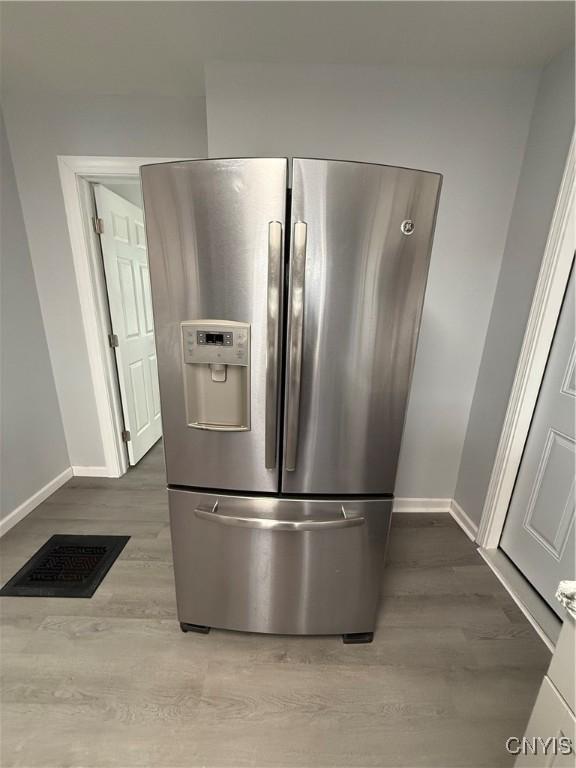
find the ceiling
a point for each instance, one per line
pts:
(121, 47)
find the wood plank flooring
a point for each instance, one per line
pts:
(111, 681)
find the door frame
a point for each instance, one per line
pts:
(77, 173)
(546, 305)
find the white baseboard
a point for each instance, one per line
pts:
(468, 525)
(536, 610)
(438, 505)
(90, 472)
(421, 505)
(540, 616)
(37, 498)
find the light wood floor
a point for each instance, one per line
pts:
(111, 681)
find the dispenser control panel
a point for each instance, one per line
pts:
(216, 374)
(210, 337)
(220, 342)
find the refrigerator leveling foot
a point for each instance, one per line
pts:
(358, 637)
(200, 628)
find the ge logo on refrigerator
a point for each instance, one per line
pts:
(407, 227)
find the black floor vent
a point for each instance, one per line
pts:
(66, 566)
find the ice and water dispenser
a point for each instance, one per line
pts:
(217, 374)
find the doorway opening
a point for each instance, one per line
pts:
(103, 204)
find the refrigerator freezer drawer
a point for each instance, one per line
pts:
(283, 566)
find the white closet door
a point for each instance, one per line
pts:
(128, 283)
(539, 532)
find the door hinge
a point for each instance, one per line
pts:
(126, 436)
(98, 225)
(112, 339)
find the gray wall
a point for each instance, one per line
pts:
(548, 142)
(132, 192)
(33, 448)
(469, 125)
(40, 127)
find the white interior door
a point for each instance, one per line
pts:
(128, 284)
(538, 535)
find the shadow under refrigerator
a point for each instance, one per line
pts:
(286, 323)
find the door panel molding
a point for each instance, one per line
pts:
(76, 173)
(120, 228)
(138, 384)
(554, 545)
(129, 304)
(569, 381)
(548, 297)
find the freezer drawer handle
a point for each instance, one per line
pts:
(272, 324)
(211, 514)
(295, 333)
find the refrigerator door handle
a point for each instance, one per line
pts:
(295, 334)
(271, 524)
(272, 321)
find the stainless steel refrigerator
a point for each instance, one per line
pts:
(286, 321)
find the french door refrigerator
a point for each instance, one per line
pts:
(286, 322)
